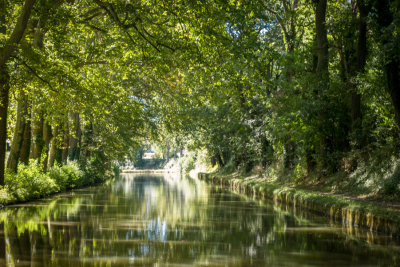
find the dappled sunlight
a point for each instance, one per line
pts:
(143, 219)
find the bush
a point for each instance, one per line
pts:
(30, 182)
(74, 174)
(61, 178)
(96, 170)
(392, 185)
(116, 170)
(67, 176)
(187, 162)
(229, 168)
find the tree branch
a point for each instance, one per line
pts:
(34, 72)
(124, 27)
(17, 33)
(96, 28)
(281, 23)
(79, 65)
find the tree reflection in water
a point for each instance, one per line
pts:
(148, 219)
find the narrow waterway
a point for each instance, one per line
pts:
(156, 220)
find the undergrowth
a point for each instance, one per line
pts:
(373, 174)
(32, 182)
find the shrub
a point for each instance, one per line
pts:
(392, 185)
(60, 177)
(29, 182)
(67, 176)
(116, 170)
(96, 170)
(187, 162)
(74, 174)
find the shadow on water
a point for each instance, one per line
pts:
(152, 220)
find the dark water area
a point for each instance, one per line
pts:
(156, 220)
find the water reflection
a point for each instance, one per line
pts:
(152, 220)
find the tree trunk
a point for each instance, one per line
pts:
(385, 19)
(75, 137)
(167, 152)
(17, 33)
(290, 149)
(322, 40)
(26, 143)
(4, 90)
(87, 141)
(219, 159)
(46, 138)
(64, 155)
(37, 136)
(322, 73)
(356, 115)
(5, 54)
(53, 148)
(393, 84)
(290, 145)
(310, 160)
(22, 112)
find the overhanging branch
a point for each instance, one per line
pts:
(34, 72)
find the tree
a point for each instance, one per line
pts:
(6, 52)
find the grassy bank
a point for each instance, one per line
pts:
(31, 182)
(339, 209)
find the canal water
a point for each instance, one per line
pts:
(156, 220)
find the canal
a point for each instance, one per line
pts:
(157, 220)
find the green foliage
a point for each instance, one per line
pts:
(30, 182)
(96, 170)
(149, 163)
(115, 169)
(239, 79)
(67, 176)
(392, 185)
(187, 163)
(229, 168)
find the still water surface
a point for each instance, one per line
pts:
(156, 220)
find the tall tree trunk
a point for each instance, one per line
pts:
(53, 147)
(167, 152)
(385, 19)
(356, 115)
(87, 141)
(361, 59)
(219, 159)
(5, 54)
(37, 136)
(322, 73)
(11, 44)
(46, 138)
(26, 143)
(392, 76)
(290, 33)
(4, 90)
(290, 149)
(75, 137)
(16, 145)
(64, 153)
(322, 40)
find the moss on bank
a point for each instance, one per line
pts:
(348, 212)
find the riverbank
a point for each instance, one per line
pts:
(31, 182)
(149, 171)
(345, 211)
